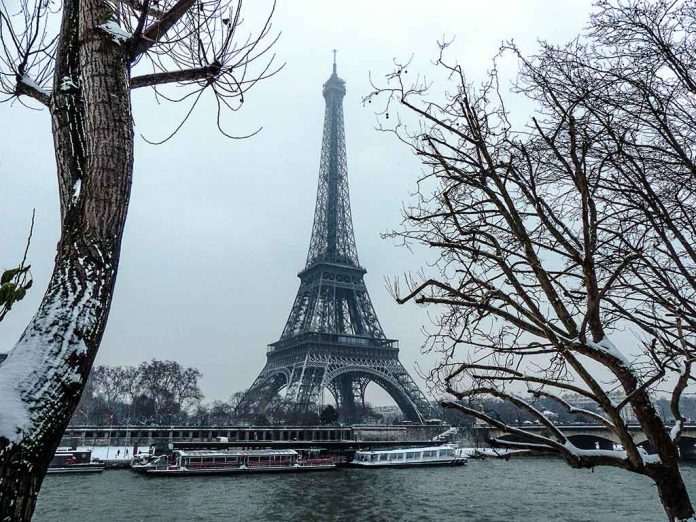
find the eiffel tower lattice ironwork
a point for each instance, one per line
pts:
(333, 339)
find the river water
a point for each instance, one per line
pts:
(525, 489)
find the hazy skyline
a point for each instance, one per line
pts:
(219, 228)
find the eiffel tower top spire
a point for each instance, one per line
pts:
(332, 239)
(332, 298)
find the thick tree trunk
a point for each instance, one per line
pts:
(44, 375)
(667, 476)
(673, 494)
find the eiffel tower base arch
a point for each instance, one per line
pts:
(304, 376)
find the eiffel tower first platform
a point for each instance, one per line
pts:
(332, 339)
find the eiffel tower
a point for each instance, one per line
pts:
(332, 339)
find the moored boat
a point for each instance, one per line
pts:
(408, 457)
(228, 462)
(74, 461)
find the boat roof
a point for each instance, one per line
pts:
(236, 453)
(402, 450)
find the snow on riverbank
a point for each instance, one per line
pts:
(113, 453)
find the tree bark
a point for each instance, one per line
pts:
(93, 141)
(673, 494)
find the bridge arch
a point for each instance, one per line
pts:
(590, 442)
(687, 446)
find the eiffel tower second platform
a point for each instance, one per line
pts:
(332, 339)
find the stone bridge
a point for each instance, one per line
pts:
(590, 436)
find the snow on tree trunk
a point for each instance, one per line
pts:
(42, 379)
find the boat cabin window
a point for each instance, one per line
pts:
(411, 455)
(383, 457)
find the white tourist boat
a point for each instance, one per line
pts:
(228, 462)
(407, 457)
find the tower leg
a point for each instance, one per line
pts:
(347, 406)
(257, 398)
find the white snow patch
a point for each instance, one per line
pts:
(118, 34)
(14, 417)
(114, 453)
(66, 84)
(676, 430)
(31, 83)
(606, 346)
(647, 458)
(34, 372)
(682, 367)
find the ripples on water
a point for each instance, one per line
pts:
(531, 489)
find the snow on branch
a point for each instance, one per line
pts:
(540, 440)
(616, 457)
(605, 346)
(28, 87)
(116, 32)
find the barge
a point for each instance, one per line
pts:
(231, 462)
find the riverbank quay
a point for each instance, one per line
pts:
(143, 436)
(341, 440)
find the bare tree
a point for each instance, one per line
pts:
(235, 399)
(566, 247)
(81, 59)
(187, 392)
(131, 382)
(172, 387)
(109, 384)
(221, 413)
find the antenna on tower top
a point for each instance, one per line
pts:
(334, 64)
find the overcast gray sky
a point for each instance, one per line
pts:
(218, 229)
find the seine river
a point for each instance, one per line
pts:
(529, 489)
